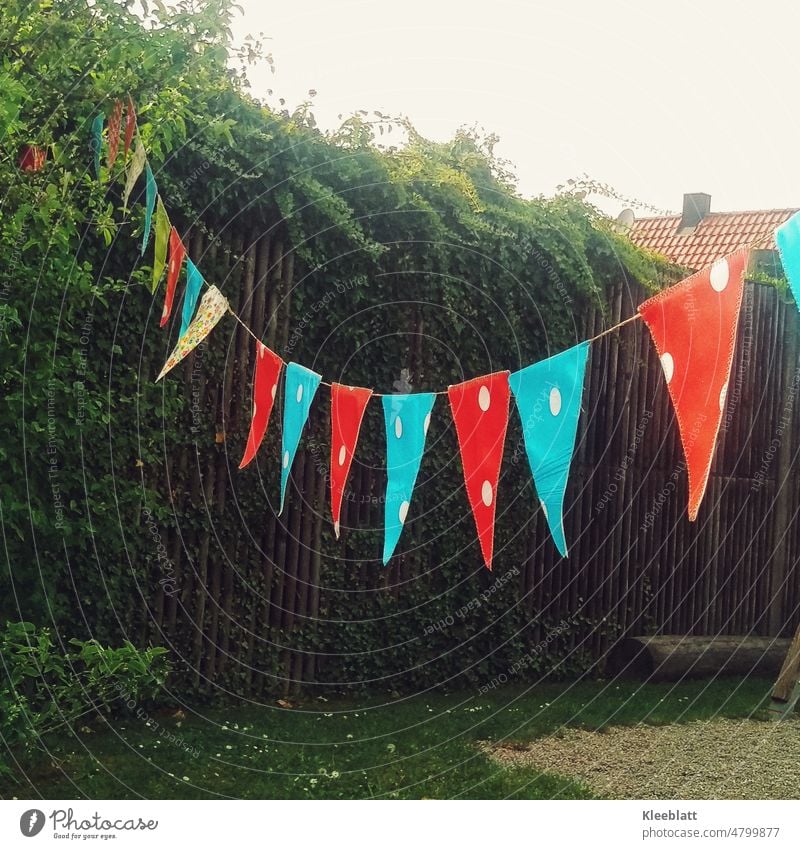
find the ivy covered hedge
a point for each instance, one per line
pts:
(420, 257)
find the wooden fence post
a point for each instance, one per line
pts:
(787, 688)
(785, 491)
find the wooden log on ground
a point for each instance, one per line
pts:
(673, 658)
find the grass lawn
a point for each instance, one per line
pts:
(407, 748)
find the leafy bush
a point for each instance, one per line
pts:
(420, 246)
(45, 685)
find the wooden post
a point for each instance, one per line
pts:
(787, 688)
(784, 487)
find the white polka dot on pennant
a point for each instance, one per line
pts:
(299, 393)
(261, 350)
(336, 529)
(255, 408)
(164, 312)
(285, 459)
(487, 494)
(555, 401)
(342, 455)
(398, 427)
(668, 364)
(484, 398)
(719, 275)
(544, 509)
(723, 397)
(403, 512)
(274, 390)
(426, 424)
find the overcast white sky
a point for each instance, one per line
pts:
(655, 98)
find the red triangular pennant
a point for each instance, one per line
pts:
(348, 404)
(693, 326)
(480, 411)
(265, 385)
(177, 253)
(130, 126)
(114, 124)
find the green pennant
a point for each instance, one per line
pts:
(162, 228)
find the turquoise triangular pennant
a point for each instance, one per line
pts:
(194, 282)
(151, 190)
(407, 418)
(300, 386)
(548, 396)
(788, 238)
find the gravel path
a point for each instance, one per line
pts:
(717, 759)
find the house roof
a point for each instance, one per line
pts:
(717, 235)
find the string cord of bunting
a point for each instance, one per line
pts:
(693, 326)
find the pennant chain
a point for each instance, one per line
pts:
(693, 325)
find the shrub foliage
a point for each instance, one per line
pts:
(417, 255)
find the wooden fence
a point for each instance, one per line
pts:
(635, 559)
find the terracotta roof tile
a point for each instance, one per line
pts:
(717, 235)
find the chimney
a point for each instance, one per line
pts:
(695, 208)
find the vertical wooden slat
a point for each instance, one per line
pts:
(286, 284)
(312, 604)
(274, 295)
(785, 494)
